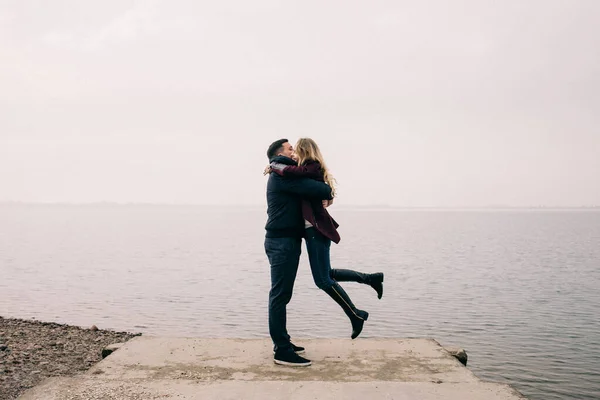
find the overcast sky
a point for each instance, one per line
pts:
(414, 103)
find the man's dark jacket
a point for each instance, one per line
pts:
(284, 200)
(312, 210)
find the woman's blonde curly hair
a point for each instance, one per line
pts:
(307, 150)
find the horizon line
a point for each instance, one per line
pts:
(380, 206)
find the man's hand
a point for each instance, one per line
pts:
(267, 170)
(327, 203)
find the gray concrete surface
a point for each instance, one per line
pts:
(181, 368)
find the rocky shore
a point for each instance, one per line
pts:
(31, 351)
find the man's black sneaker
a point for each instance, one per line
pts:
(291, 359)
(297, 349)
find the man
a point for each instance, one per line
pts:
(285, 229)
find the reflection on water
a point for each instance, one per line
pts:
(518, 289)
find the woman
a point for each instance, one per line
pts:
(321, 230)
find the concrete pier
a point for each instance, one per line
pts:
(185, 368)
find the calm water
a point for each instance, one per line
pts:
(520, 290)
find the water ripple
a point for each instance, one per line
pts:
(519, 290)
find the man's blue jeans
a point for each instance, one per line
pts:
(284, 256)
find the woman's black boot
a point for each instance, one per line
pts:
(346, 275)
(357, 317)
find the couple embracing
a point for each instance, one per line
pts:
(299, 190)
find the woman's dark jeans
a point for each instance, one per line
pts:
(318, 247)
